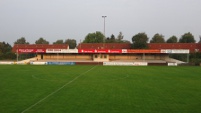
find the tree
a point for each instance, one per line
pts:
(172, 39)
(22, 40)
(200, 40)
(140, 41)
(157, 38)
(187, 38)
(59, 42)
(96, 37)
(6, 51)
(41, 41)
(120, 37)
(71, 42)
(111, 39)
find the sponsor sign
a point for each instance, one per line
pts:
(115, 51)
(6, 62)
(38, 63)
(100, 51)
(172, 64)
(143, 51)
(86, 51)
(125, 63)
(61, 51)
(124, 51)
(118, 63)
(31, 50)
(53, 50)
(175, 51)
(140, 63)
(108, 51)
(22, 63)
(60, 63)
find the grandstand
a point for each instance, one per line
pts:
(158, 53)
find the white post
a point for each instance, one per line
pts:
(104, 31)
(17, 55)
(57, 56)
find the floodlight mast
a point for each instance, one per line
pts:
(104, 30)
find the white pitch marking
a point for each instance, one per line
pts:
(57, 90)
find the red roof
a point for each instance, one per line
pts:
(104, 46)
(191, 46)
(39, 46)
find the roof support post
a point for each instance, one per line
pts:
(188, 58)
(17, 55)
(143, 57)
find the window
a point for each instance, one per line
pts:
(96, 56)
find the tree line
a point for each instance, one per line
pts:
(6, 51)
(139, 41)
(71, 42)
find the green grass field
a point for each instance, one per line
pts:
(99, 89)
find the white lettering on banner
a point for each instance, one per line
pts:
(38, 63)
(6, 62)
(163, 50)
(62, 51)
(69, 50)
(140, 63)
(179, 51)
(53, 50)
(31, 50)
(40, 51)
(125, 63)
(124, 50)
(172, 64)
(26, 50)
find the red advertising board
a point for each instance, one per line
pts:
(100, 51)
(86, 51)
(115, 51)
(31, 50)
(119, 51)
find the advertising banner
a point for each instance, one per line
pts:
(100, 51)
(61, 51)
(60, 63)
(172, 64)
(175, 51)
(31, 50)
(53, 50)
(125, 63)
(86, 51)
(6, 62)
(38, 63)
(143, 51)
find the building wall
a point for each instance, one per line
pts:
(109, 57)
(138, 57)
(101, 57)
(67, 56)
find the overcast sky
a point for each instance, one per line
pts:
(63, 19)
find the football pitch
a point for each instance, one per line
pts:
(99, 89)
